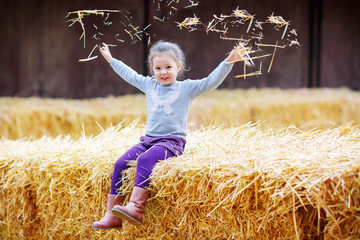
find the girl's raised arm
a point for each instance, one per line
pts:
(124, 71)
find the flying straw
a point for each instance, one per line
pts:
(294, 43)
(89, 58)
(253, 37)
(243, 52)
(270, 45)
(256, 73)
(160, 20)
(192, 4)
(293, 31)
(80, 15)
(279, 22)
(272, 59)
(235, 39)
(189, 23)
(212, 26)
(243, 14)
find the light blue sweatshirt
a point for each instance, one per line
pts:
(168, 105)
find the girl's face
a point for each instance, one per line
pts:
(165, 68)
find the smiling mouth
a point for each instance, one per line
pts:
(164, 79)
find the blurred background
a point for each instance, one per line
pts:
(40, 53)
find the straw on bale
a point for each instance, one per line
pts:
(230, 183)
(304, 108)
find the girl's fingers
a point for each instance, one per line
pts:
(105, 46)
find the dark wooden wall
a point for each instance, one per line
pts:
(39, 52)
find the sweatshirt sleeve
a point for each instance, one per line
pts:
(129, 75)
(211, 82)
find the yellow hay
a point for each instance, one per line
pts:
(231, 183)
(304, 108)
(276, 108)
(189, 23)
(22, 117)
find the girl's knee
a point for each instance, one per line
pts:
(121, 163)
(143, 158)
(129, 156)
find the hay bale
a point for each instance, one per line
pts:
(62, 180)
(231, 183)
(304, 108)
(24, 117)
(278, 108)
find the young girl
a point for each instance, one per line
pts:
(168, 103)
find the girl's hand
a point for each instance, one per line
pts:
(233, 57)
(104, 50)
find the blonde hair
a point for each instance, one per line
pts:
(173, 49)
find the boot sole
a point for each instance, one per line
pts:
(123, 215)
(106, 228)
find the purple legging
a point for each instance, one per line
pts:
(145, 163)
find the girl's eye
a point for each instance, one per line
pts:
(168, 67)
